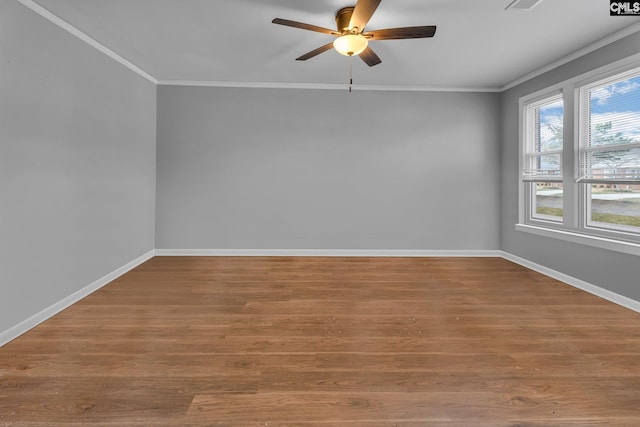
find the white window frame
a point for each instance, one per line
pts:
(528, 214)
(575, 226)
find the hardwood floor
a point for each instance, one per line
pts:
(196, 341)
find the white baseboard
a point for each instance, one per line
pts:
(329, 252)
(56, 308)
(629, 303)
(565, 278)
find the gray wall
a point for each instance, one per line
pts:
(614, 271)
(77, 164)
(247, 169)
(304, 169)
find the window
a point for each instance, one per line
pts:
(609, 153)
(580, 159)
(542, 163)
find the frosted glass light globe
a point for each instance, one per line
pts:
(351, 44)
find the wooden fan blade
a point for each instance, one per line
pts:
(304, 26)
(370, 57)
(315, 52)
(363, 11)
(402, 33)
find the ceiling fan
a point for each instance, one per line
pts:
(352, 39)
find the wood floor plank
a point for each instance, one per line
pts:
(425, 407)
(338, 327)
(266, 341)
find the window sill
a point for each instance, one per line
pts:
(583, 239)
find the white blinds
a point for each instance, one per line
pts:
(610, 130)
(543, 140)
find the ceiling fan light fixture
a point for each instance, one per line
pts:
(352, 40)
(351, 44)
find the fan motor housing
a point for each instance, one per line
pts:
(343, 18)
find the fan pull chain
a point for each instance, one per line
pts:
(350, 72)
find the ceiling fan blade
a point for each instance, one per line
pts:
(315, 52)
(402, 33)
(303, 26)
(363, 11)
(370, 57)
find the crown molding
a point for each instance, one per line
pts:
(325, 86)
(35, 7)
(85, 38)
(575, 55)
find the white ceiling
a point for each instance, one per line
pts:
(478, 45)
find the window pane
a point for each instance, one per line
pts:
(543, 166)
(548, 162)
(548, 201)
(549, 120)
(614, 113)
(610, 143)
(543, 140)
(615, 206)
(613, 165)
